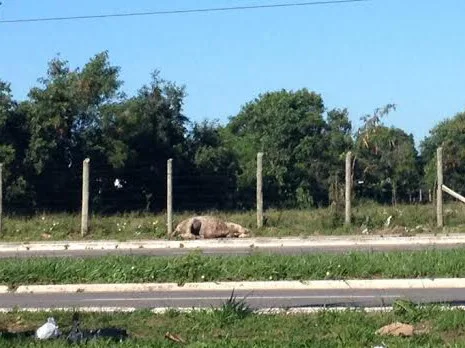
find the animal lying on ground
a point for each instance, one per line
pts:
(208, 227)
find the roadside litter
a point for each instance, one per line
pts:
(77, 335)
(50, 331)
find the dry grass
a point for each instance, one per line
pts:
(367, 218)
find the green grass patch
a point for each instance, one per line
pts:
(208, 329)
(197, 268)
(408, 219)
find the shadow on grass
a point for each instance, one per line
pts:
(19, 335)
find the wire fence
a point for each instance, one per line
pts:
(157, 187)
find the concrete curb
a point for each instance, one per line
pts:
(377, 284)
(263, 311)
(257, 243)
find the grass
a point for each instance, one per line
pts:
(406, 219)
(209, 329)
(199, 268)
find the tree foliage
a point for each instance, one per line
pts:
(14, 141)
(75, 113)
(387, 160)
(64, 117)
(290, 128)
(450, 134)
(141, 134)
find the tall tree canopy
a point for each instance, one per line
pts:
(145, 131)
(75, 113)
(14, 141)
(65, 123)
(291, 129)
(215, 167)
(450, 134)
(339, 143)
(388, 163)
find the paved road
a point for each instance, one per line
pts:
(256, 299)
(242, 251)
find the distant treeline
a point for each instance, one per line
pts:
(77, 113)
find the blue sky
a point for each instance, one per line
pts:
(359, 56)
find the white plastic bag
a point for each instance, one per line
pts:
(48, 330)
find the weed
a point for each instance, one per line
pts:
(407, 310)
(232, 310)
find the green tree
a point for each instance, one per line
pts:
(7, 140)
(145, 131)
(339, 142)
(387, 159)
(450, 134)
(13, 144)
(215, 165)
(289, 127)
(65, 122)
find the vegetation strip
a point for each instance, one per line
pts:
(259, 267)
(368, 218)
(234, 325)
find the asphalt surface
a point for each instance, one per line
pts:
(256, 299)
(242, 251)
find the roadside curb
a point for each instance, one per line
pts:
(263, 311)
(377, 284)
(252, 243)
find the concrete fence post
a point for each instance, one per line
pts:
(348, 186)
(85, 198)
(169, 197)
(260, 190)
(440, 180)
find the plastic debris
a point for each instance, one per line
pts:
(113, 333)
(48, 330)
(77, 335)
